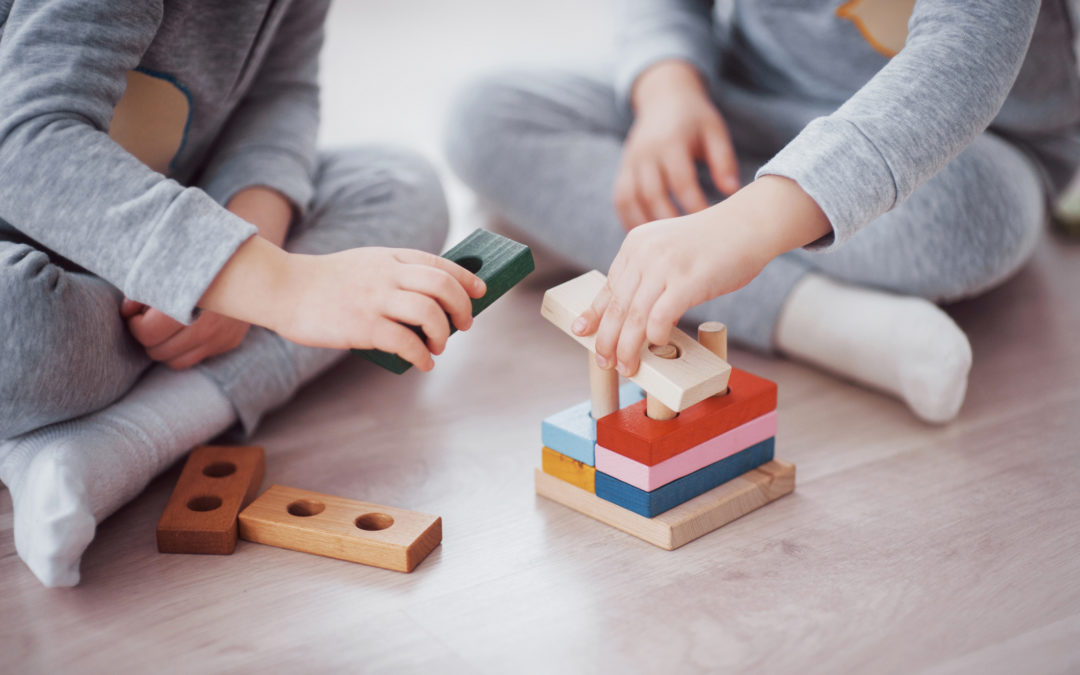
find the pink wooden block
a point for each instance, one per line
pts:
(649, 478)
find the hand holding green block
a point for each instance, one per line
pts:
(499, 261)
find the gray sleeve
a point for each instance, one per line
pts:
(918, 113)
(649, 31)
(64, 182)
(269, 140)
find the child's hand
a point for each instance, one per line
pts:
(361, 298)
(675, 126)
(668, 266)
(176, 345)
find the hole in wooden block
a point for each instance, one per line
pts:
(471, 263)
(305, 508)
(219, 469)
(204, 503)
(374, 521)
(668, 351)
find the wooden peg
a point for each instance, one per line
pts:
(603, 389)
(713, 336)
(653, 407)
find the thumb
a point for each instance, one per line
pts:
(129, 308)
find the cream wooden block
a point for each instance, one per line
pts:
(685, 522)
(346, 529)
(677, 383)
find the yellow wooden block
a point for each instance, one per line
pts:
(569, 469)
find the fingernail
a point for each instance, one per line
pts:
(579, 325)
(623, 370)
(480, 286)
(601, 361)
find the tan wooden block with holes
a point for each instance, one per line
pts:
(346, 529)
(216, 482)
(693, 375)
(687, 521)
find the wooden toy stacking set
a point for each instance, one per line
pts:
(692, 456)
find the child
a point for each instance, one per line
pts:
(893, 155)
(163, 152)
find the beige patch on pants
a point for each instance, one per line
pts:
(150, 119)
(882, 23)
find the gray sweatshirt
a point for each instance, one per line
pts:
(872, 100)
(216, 96)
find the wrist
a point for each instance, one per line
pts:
(772, 216)
(268, 210)
(666, 81)
(251, 283)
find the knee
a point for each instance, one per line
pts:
(27, 281)
(387, 187)
(51, 327)
(484, 115)
(996, 221)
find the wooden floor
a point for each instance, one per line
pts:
(905, 548)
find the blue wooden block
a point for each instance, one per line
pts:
(684, 489)
(572, 432)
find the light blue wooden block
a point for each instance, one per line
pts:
(572, 432)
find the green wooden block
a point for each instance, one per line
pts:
(499, 261)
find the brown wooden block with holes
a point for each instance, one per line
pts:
(216, 483)
(383, 536)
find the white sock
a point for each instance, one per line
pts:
(901, 345)
(67, 477)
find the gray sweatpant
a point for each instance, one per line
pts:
(544, 147)
(65, 351)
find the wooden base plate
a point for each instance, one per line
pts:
(685, 522)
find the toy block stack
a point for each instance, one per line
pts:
(683, 449)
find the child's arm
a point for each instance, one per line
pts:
(269, 140)
(180, 346)
(841, 172)
(261, 169)
(667, 60)
(66, 184)
(360, 299)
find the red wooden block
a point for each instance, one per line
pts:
(631, 433)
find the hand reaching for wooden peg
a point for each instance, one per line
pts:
(668, 266)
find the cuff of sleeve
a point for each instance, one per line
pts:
(192, 241)
(841, 170)
(661, 48)
(265, 167)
